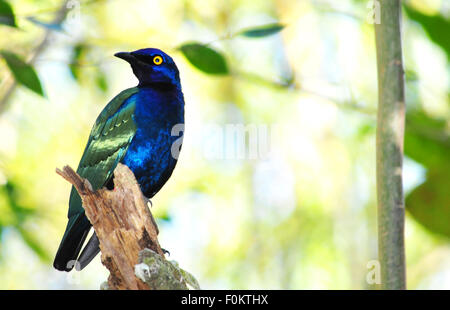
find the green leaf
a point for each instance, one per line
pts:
(23, 72)
(261, 31)
(427, 141)
(429, 203)
(7, 15)
(436, 27)
(204, 58)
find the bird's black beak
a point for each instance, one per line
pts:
(126, 56)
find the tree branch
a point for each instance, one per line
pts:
(127, 233)
(390, 136)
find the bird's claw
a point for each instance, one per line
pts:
(165, 251)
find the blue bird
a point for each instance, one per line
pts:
(135, 129)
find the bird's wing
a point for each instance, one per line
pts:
(108, 142)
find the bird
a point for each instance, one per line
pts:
(136, 128)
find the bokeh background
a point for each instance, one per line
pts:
(303, 216)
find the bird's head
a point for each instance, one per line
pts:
(152, 66)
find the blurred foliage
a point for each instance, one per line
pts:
(80, 58)
(427, 141)
(302, 218)
(6, 14)
(16, 216)
(436, 26)
(261, 31)
(211, 61)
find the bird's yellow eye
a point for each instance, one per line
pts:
(157, 60)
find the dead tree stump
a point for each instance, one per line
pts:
(125, 227)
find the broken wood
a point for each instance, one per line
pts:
(123, 223)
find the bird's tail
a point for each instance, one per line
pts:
(74, 236)
(91, 249)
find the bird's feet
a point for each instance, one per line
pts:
(165, 251)
(151, 215)
(149, 202)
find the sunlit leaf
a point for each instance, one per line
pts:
(204, 58)
(6, 14)
(23, 72)
(262, 31)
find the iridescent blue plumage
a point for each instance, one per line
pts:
(135, 128)
(149, 154)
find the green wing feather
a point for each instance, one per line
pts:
(108, 142)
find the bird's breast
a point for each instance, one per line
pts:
(149, 154)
